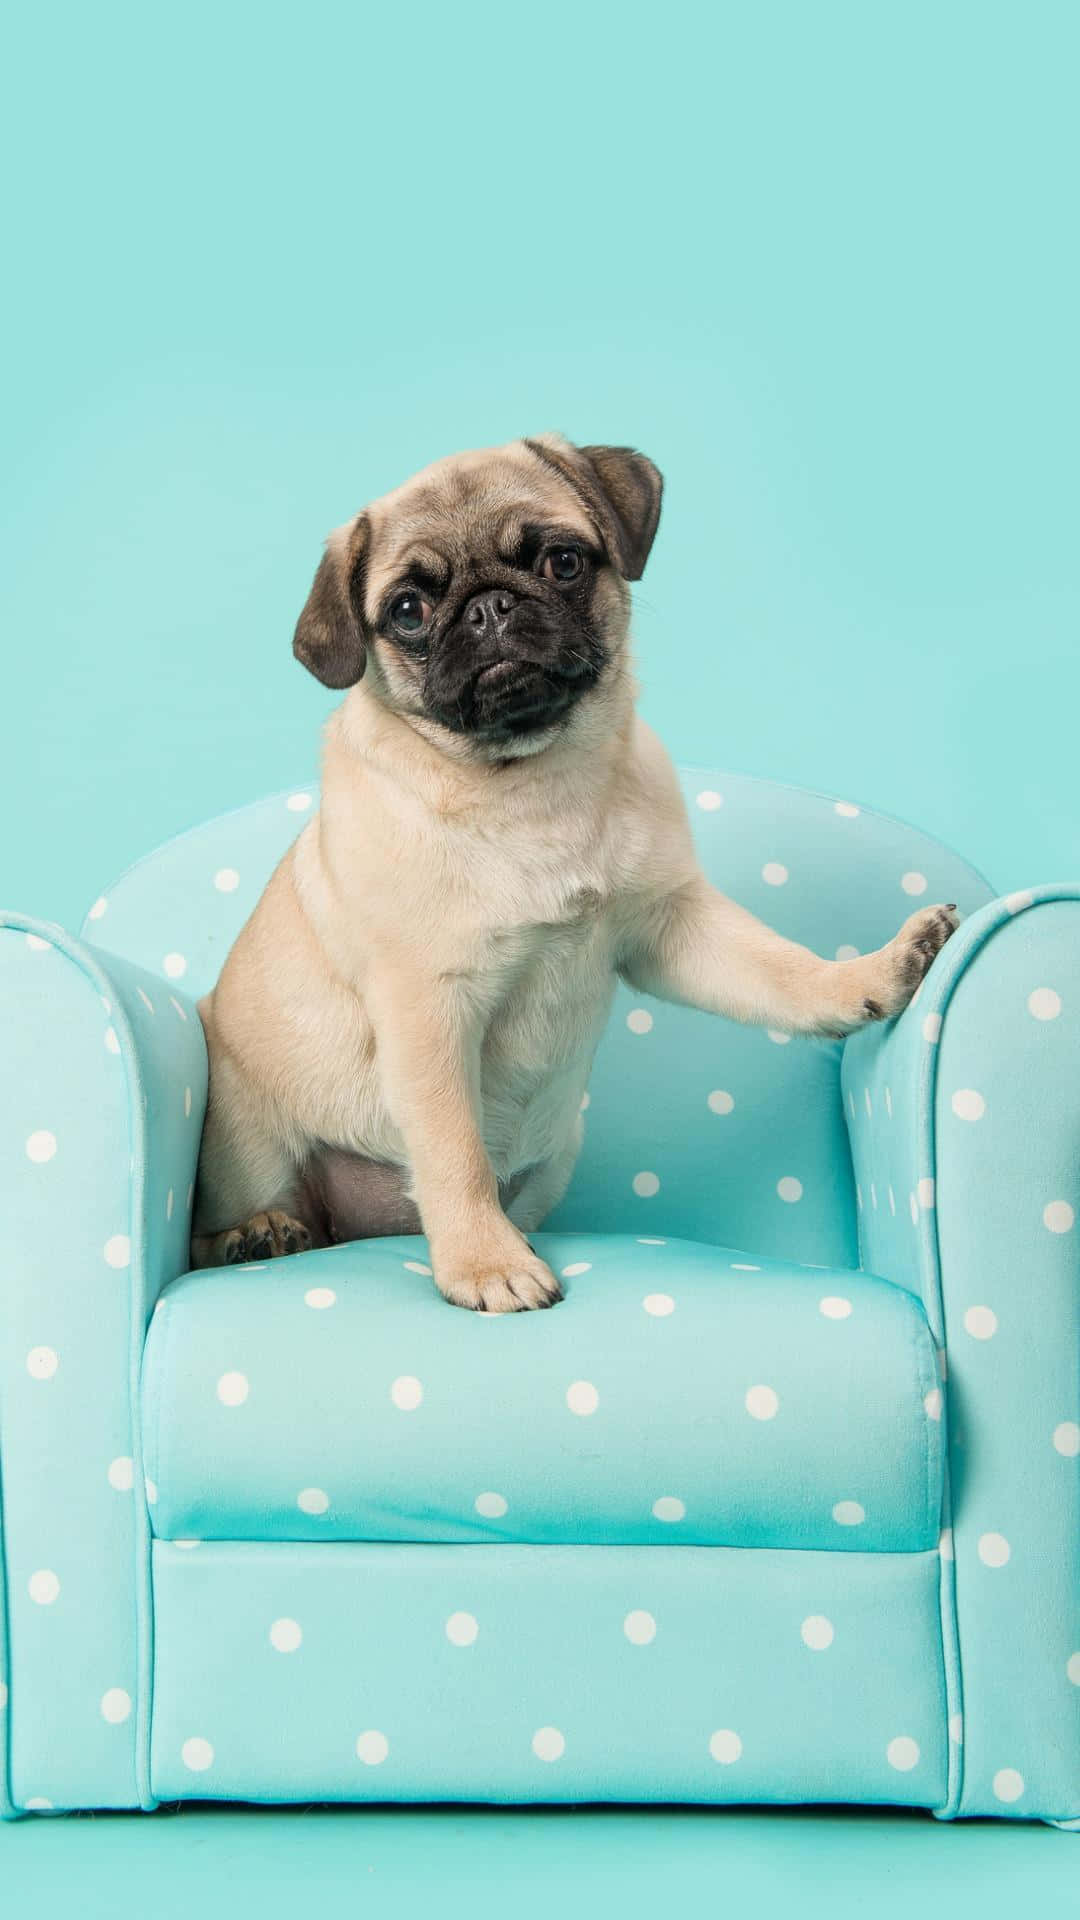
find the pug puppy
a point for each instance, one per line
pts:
(402, 1034)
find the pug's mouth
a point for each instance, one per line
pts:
(500, 675)
(509, 697)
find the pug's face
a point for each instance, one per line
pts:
(487, 598)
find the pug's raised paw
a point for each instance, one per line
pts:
(902, 966)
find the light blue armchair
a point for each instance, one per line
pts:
(782, 1503)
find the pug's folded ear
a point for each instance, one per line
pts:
(331, 635)
(621, 490)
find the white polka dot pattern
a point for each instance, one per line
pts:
(818, 1632)
(490, 1506)
(406, 1392)
(68, 1114)
(981, 1322)
(313, 1501)
(233, 1389)
(762, 1403)
(122, 1474)
(639, 1627)
(582, 1397)
(387, 1451)
(669, 1508)
(994, 1270)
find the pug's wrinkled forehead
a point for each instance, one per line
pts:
(466, 509)
(463, 510)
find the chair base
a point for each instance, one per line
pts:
(517, 1673)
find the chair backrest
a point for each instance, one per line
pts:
(695, 1126)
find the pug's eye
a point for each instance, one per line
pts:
(563, 563)
(409, 613)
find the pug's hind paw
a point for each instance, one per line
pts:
(266, 1236)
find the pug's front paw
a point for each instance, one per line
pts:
(503, 1281)
(905, 962)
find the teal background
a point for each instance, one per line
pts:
(820, 262)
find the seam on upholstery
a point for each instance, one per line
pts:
(926, 1380)
(151, 1655)
(137, 1298)
(933, 1293)
(73, 950)
(159, 1392)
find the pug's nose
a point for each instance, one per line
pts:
(486, 613)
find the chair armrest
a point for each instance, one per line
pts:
(964, 1118)
(102, 1096)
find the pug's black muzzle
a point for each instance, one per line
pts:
(508, 667)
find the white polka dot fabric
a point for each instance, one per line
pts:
(970, 1118)
(684, 1536)
(94, 1139)
(559, 1673)
(662, 1361)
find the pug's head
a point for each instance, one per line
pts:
(486, 598)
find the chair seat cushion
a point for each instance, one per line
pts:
(680, 1392)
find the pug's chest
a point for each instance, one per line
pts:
(541, 1039)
